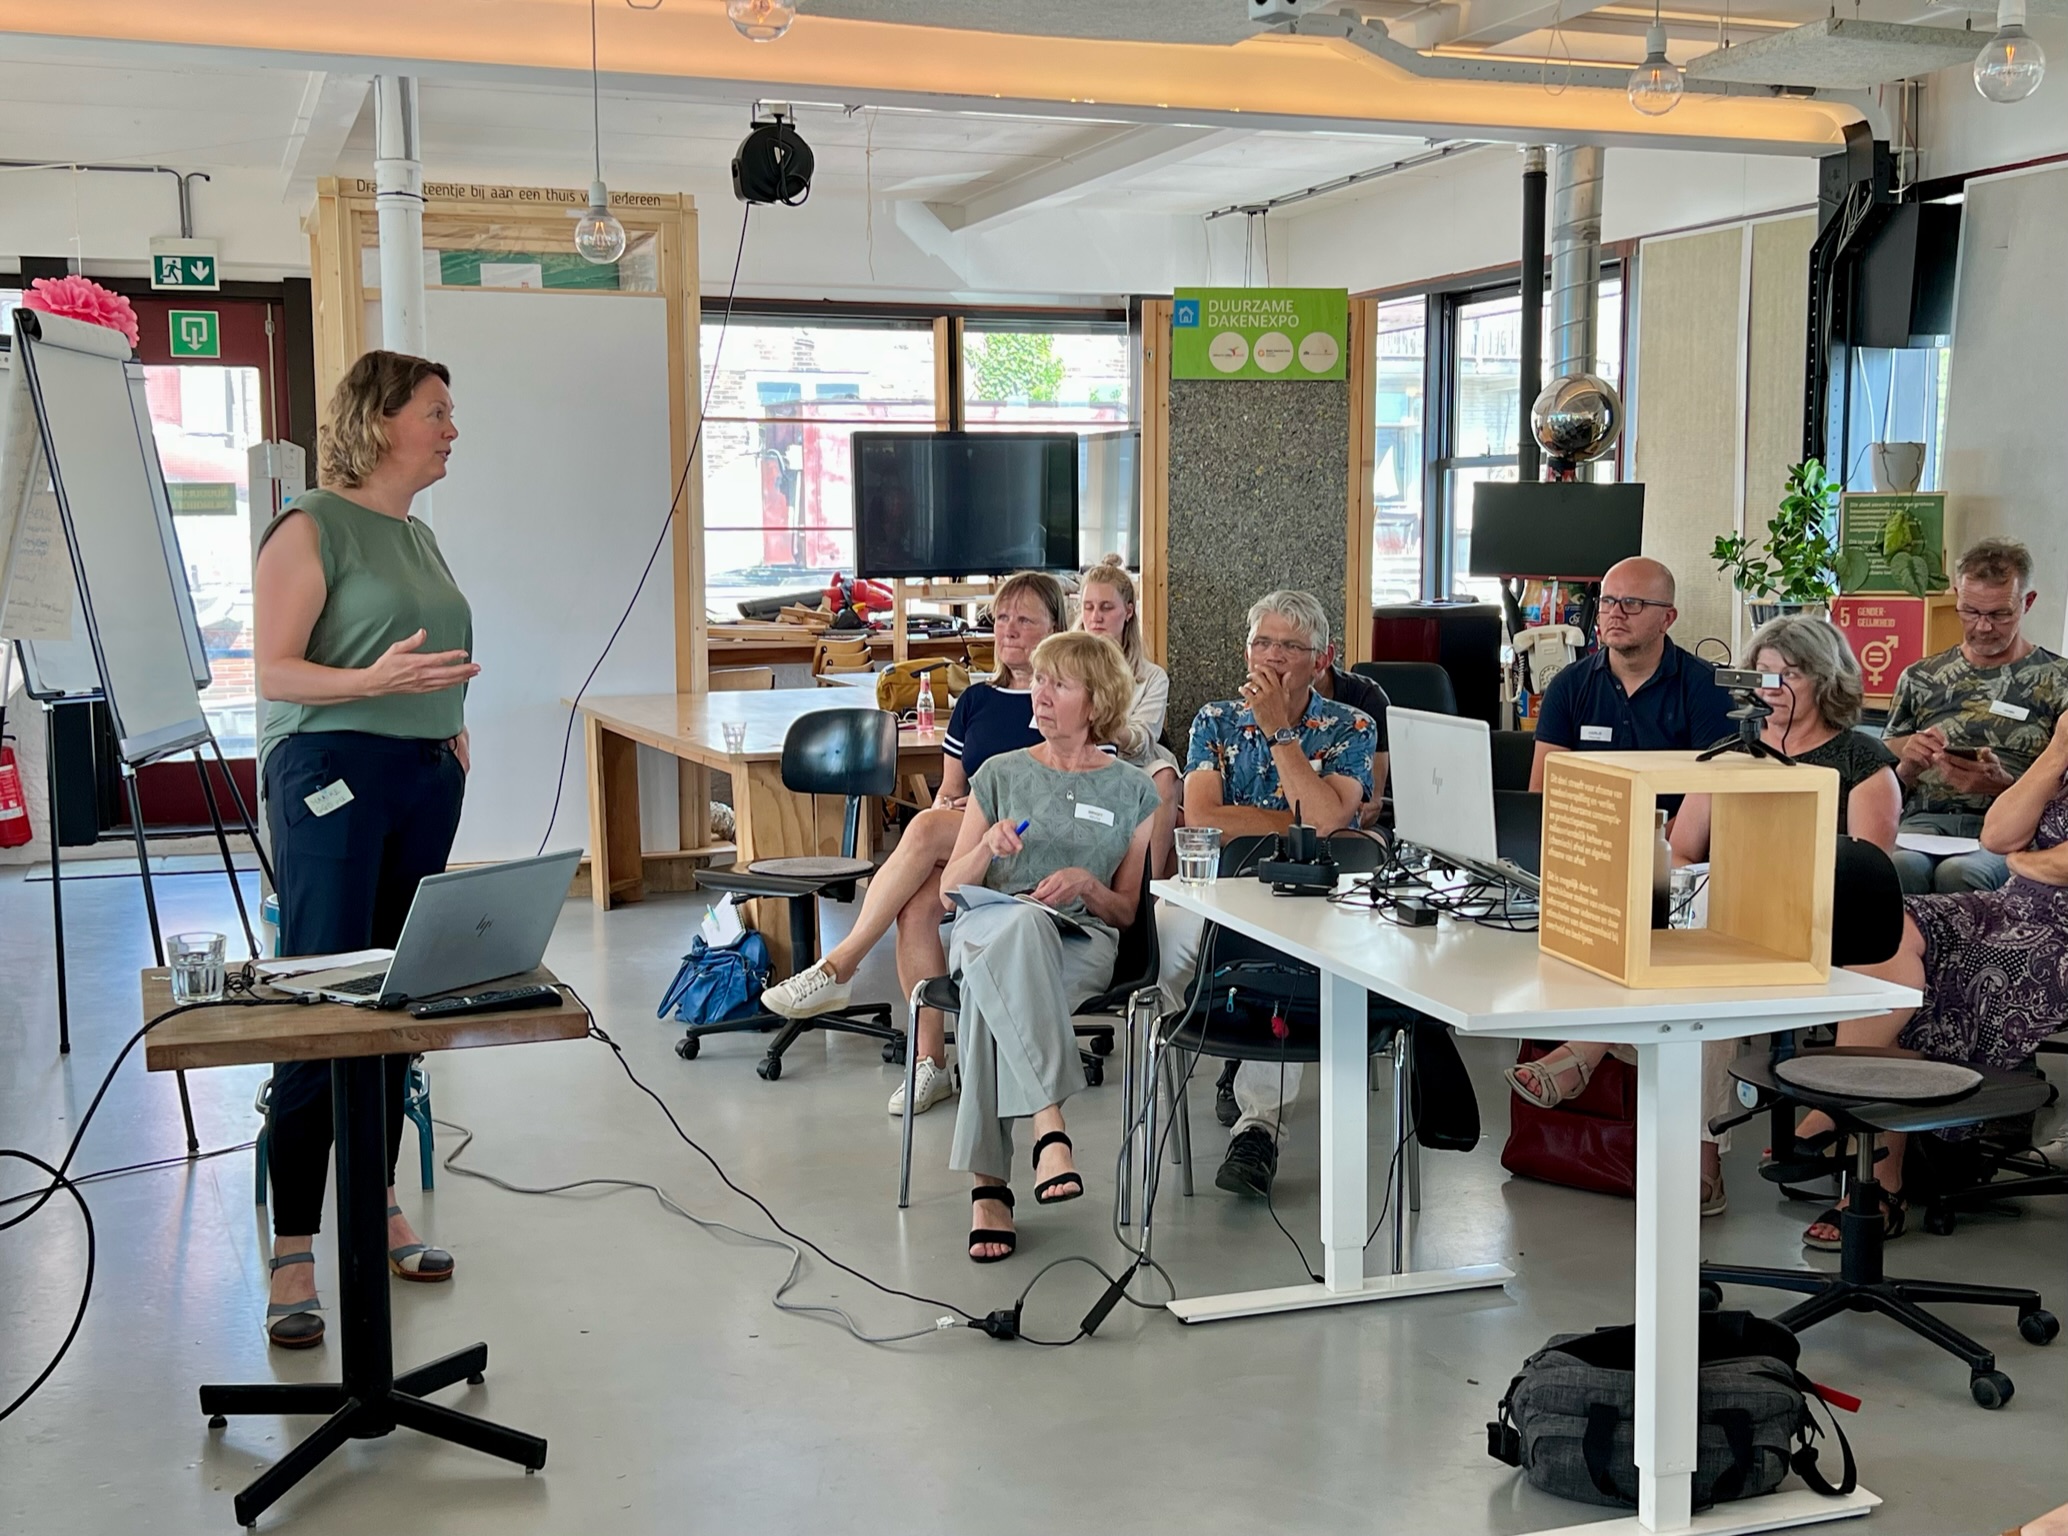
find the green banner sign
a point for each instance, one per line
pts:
(1891, 542)
(195, 333)
(1259, 333)
(202, 498)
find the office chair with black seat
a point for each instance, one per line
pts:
(1259, 1006)
(848, 752)
(1413, 684)
(1868, 1092)
(1135, 967)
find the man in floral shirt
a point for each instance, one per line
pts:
(1252, 759)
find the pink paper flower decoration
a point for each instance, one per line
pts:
(81, 298)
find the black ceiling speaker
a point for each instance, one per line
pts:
(772, 165)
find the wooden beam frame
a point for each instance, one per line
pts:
(1154, 608)
(1357, 566)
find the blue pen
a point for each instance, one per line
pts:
(1021, 829)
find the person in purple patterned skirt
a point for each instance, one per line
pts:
(1993, 965)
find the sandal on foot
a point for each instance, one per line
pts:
(1544, 1081)
(418, 1261)
(1895, 1216)
(991, 1236)
(1714, 1201)
(1041, 1190)
(294, 1324)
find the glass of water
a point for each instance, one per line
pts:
(1687, 883)
(197, 967)
(735, 736)
(1199, 854)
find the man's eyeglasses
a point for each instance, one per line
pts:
(1977, 616)
(1631, 606)
(1282, 648)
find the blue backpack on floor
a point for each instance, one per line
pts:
(716, 984)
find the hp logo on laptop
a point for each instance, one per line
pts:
(483, 926)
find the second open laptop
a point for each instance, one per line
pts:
(463, 928)
(1443, 796)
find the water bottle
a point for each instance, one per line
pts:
(926, 705)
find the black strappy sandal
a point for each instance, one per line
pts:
(1009, 1240)
(1041, 1190)
(1895, 1220)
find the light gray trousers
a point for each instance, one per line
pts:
(1020, 980)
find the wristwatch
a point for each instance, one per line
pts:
(1285, 738)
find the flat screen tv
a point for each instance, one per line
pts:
(1569, 529)
(948, 504)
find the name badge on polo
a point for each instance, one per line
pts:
(2009, 711)
(1597, 733)
(1097, 813)
(329, 798)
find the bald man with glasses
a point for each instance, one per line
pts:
(1639, 692)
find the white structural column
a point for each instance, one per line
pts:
(398, 179)
(1345, 1201)
(1669, 1261)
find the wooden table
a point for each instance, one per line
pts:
(772, 821)
(769, 650)
(370, 1400)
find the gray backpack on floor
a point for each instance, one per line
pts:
(1568, 1419)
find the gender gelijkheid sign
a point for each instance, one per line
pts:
(1259, 333)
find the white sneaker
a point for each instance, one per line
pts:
(811, 991)
(934, 1085)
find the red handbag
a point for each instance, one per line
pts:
(1588, 1142)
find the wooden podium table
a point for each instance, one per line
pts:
(772, 822)
(371, 1400)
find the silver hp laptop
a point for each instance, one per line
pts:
(463, 928)
(1443, 793)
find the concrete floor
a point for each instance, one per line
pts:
(676, 1399)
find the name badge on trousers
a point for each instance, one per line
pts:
(2009, 711)
(1097, 813)
(1597, 733)
(328, 798)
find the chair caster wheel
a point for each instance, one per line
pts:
(1102, 1045)
(1094, 1073)
(769, 1068)
(474, 1380)
(217, 1421)
(688, 1046)
(1939, 1223)
(1992, 1389)
(1712, 1296)
(894, 1052)
(2039, 1327)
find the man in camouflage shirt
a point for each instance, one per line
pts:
(1964, 724)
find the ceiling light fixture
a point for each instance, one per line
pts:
(762, 21)
(2012, 65)
(1655, 85)
(598, 236)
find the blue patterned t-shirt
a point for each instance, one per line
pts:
(1227, 740)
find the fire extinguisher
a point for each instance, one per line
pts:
(14, 810)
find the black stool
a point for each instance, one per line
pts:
(1930, 1101)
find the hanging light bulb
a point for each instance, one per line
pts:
(761, 20)
(598, 236)
(2011, 66)
(1655, 85)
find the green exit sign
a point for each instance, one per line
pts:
(184, 272)
(195, 333)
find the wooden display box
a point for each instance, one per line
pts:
(1772, 850)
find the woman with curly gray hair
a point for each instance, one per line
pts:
(1814, 712)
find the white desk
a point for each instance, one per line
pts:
(1481, 981)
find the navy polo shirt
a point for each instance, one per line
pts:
(1677, 708)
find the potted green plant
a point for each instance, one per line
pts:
(1795, 568)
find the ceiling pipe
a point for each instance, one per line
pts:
(1528, 462)
(398, 178)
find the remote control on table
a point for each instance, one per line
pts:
(502, 1000)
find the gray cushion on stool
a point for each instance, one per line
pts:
(1879, 1079)
(813, 867)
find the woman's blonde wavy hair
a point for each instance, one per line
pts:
(355, 437)
(1095, 664)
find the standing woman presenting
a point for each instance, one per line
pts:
(361, 645)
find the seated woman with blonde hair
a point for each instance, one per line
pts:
(1106, 606)
(1067, 825)
(904, 892)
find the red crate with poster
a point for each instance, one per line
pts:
(1888, 633)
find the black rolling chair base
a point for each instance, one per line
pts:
(402, 1406)
(871, 1020)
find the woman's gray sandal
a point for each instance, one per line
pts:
(418, 1261)
(294, 1324)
